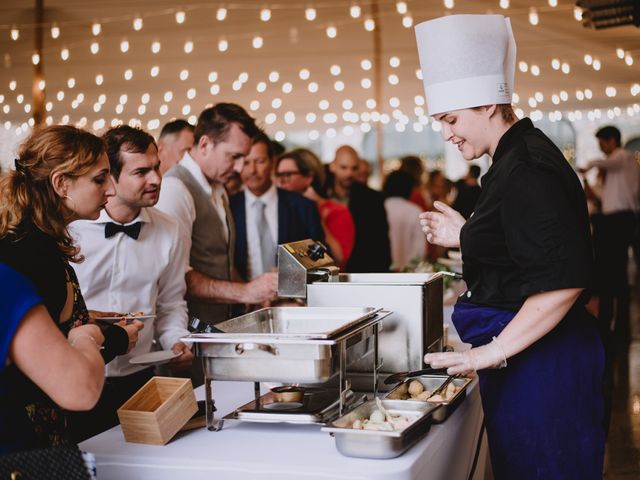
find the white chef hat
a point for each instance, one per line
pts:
(467, 61)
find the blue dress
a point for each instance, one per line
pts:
(530, 234)
(17, 297)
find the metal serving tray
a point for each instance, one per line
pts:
(431, 382)
(377, 444)
(232, 356)
(299, 323)
(317, 407)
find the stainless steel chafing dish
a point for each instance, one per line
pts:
(290, 345)
(381, 444)
(414, 328)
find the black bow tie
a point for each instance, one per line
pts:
(133, 230)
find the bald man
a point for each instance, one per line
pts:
(372, 251)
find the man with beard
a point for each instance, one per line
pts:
(372, 251)
(134, 261)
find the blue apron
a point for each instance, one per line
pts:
(543, 412)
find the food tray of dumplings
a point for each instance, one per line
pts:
(420, 389)
(381, 429)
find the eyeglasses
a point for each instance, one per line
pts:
(287, 175)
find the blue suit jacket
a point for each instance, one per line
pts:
(298, 219)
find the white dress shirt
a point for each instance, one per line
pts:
(120, 274)
(254, 254)
(405, 233)
(622, 184)
(176, 200)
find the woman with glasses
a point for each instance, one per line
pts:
(301, 171)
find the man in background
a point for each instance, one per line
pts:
(620, 207)
(372, 251)
(176, 139)
(469, 191)
(266, 216)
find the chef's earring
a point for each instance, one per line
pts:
(73, 204)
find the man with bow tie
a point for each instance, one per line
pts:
(134, 261)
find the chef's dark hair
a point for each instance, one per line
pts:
(125, 139)
(215, 122)
(609, 132)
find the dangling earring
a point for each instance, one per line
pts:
(73, 207)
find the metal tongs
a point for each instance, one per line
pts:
(444, 385)
(400, 376)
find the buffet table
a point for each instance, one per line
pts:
(250, 450)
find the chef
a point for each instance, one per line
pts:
(527, 262)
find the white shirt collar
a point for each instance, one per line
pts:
(104, 217)
(269, 197)
(194, 169)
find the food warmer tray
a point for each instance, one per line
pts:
(381, 444)
(431, 382)
(296, 323)
(320, 406)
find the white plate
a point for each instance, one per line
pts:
(151, 358)
(128, 318)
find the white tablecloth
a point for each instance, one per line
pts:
(250, 450)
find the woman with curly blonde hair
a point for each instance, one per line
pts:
(61, 175)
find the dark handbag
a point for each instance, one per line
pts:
(44, 463)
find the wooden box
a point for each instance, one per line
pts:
(156, 412)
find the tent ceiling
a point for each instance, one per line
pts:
(290, 43)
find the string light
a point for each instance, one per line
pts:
(184, 75)
(99, 79)
(628, 59)
(15, 33)
(137, 24)
(335, 70)
(35, 58)
(338, 86)
(60, 95)
(394, 62)
(365, 64)
(276, 103)
(223, 45)
(555, 64)
(588, 59)
(274, 76)
(96, 28)
(155, 70)
(180, 17)
(535, 70)
(71, 82)
(620, 53)
(369, 25)
(257, 42)
(261, 87)
(332, 32)
(213, 76)
(310, 14)
(577, 13)
(566, 68)
(287, 87)
(265, 14)
(95, 47)
(155, 47)
(168, 96)
(553, 3)
(221, 14)
(313, 87)
(128, 74)
(304, 74)
(55, 31)
(188, 47)
(355, 11)
(596, 64)
(401, 7)
(504, 4)
(124, 46)
(42, 84)
(523, 66)
(449, 4)
(407, 21)
(365, 83)
(533, 16)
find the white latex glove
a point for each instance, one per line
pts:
(442, 227)
(490, 355)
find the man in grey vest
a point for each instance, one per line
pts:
(193, 193)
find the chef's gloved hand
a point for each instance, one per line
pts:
(442, 227)
(490, 355)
